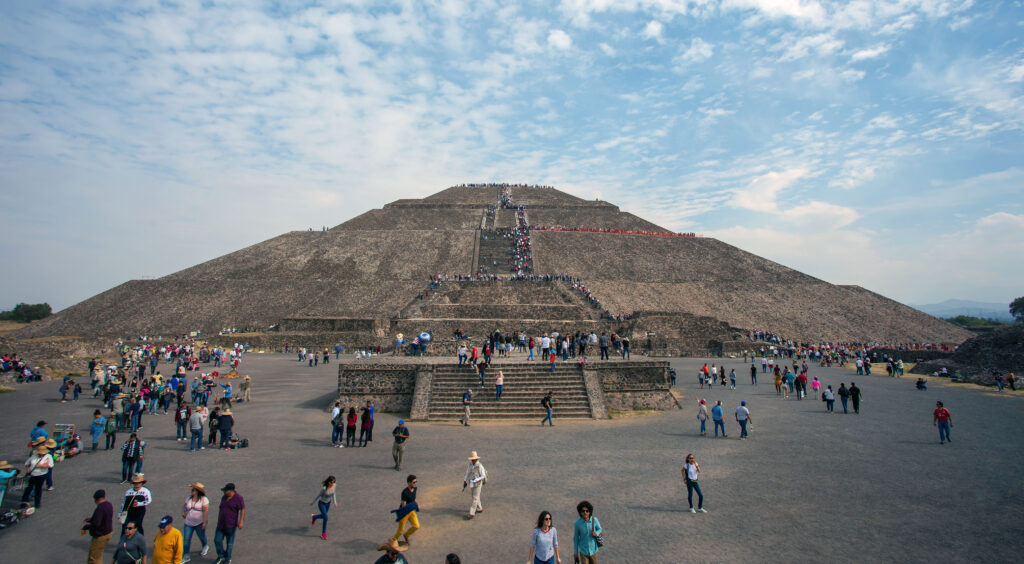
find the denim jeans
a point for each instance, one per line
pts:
(703, 426)
(547, 418)
(181, 434)
(195, 442)
(691, 486)
(323, 515)
(497, 391)
(337, 434)
(843, 399)
(719, 423)
(943, 431)
(743, 428)
(220, 537)
(199, 531)
(126, 467)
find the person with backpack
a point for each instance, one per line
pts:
(181, 416)
(110, 431)
(546, 402)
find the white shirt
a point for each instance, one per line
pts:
(142, 497)
(742, 413)
(335, 412)
(40, 464)
(545, 342)
(691, 471)
(475, 473)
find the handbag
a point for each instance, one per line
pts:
(599, 539)
(122, 517)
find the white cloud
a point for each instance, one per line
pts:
(821, 44)
(559, 39)
(652, 30)
(607, 49)
(869, 53)
(761, 193)
(698, 51)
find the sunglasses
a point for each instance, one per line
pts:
(129, 528)
(547, 518)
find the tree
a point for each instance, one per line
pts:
(27, 312)
(1017, 309)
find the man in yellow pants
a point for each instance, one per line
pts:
(407, 511)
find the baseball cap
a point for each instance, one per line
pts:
(167, 520)
(228, 486)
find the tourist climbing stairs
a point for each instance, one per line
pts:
(525, 385)
(494, 253)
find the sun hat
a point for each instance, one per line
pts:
(40, 441)
(198, 486)
(139, 478)
(227, 411)
(473, 456)
(4, 465)
(392, 544)
(41, 450)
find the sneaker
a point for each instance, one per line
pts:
(341, 446)
(323, 536)
(186, 559)
(49, 489)
(312, 519)
(702, 510)
(206, 549)
(692, 510)
(202, 448)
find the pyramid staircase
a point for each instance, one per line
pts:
(525, 385)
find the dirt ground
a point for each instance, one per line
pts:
(808, 486)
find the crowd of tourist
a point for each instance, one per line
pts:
(16, 366)
(610, 230)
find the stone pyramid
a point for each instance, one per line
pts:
(369, 278)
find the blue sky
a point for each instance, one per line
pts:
(875, 143)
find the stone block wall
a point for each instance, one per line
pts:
(390, 387)
(497, 311)
(635, 386)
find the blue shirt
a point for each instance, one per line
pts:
(227, 390)
(39, 432)
(466, 398)
(582, 541)
(716, 413)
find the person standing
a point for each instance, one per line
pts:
(476, 477)
(230, 520)
(131, 549)
(604, 347)
(753, 374)
(499, 385)
(716, 416)
(337, 425)
(350, 428)
(586, 531)
(364, 427)
(702, 416)
(110, 431)
(392, 553)
(942, 419)
(481, 369)
(467, 401)
(830, 399)
(844, 395)
(246, 390)
(544, 541)
(406, 512)
(732, 378)
(135, 502)
(743, 418)
(181, 416)
(323, 501)
(546, 402)
(196, 511)
(37, 467)
(691, 473)
(401, 434)
(167, 547)
(100, 526)
(370, 409)
(196, 421)
(855, 395)
(99, 422)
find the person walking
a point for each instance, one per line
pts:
(99, 422)
(100, 526)
(702, 416)
(546, 402)
(716, 416)
(586, 533)
(499, 385)
(196, 422)
(213, 422)
(136, 499)
(743, 418)
(942, 419)
(196, 512)
(732, 379)
(844, 395)
(476, 477)
(226, 425)
(753, 374)
(327, 496)
(691, 473)
(401, 434)
(131, 454)
(110, 431)
(406, 512)
(481, 369)
(37, 468)
(830, 400)
(544, 541)
(855, 395)
(467, 401)
(230, 520)
(181, 416)
(167, 545)
(131, 549)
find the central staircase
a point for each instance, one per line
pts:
(525, 385)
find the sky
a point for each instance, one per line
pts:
(875, 143)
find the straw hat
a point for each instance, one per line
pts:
(392, 544)
(473, 456)
(4, 465)
(50, 443)
(139, 479)
(198, 486)
(41, 450)
(40, 441)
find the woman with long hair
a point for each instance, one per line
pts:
(691, 473)
(196, 513)
(544, 542)
(323, 500)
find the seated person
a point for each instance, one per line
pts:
(922, 384)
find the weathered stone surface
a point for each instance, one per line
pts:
(976, 359)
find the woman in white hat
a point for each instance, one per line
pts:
(196, 513)
(36, 468)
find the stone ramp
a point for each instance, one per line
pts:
(525, 385)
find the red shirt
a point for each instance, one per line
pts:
(942, 414)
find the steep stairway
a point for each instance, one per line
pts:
(525, 385)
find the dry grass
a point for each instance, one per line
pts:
(612, 414)
(10, 326)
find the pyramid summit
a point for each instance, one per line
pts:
(497, 256)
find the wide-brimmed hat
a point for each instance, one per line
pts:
(40, 441)
(139, 478)
(247, 377)
(4, 465)
(473, 456)
(392, 544)
(198, 486)
(50, 443)
(41, 450)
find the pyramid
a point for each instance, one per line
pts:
(369, 278)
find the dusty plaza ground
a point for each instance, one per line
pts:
(807, 486)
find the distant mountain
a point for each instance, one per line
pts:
(953, 308)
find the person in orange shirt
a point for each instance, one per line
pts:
(168, 547)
